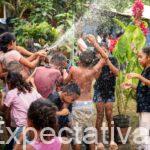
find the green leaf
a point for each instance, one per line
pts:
(129, 44)
(120, 23)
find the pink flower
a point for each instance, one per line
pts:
(144, 28)
(138, 8)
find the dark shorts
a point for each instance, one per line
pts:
(98, 98)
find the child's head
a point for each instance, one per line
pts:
(59, 60)
(15, 80)
(70, 93)
(42, 114)
(87, 58)
(45, 62)
(7, 42)
(144, 56)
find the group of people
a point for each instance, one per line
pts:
(53, 95)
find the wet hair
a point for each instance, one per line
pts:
(42, 114)
(146, 50)
(71, 88)
(16, 80)
(58, 58)
(87, 58)
(5, 39)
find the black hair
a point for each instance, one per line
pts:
(58, 58)
(5, 39)
(16, 80)
(87, 58)
(146, 50)
(42, 114)
(71, 88)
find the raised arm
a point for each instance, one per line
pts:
(92, 40)
(23, 51)
(112, 67)
(96, 70)
(29, 64)
(102, 52)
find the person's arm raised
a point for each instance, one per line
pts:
(29, 64)
(114, 69)
(96, 70)
(92, 40)
(23, 51)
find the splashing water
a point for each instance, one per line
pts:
(88, 23)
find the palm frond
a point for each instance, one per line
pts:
(9, 6)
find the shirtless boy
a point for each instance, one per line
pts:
(84, 111)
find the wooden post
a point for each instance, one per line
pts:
(5, 15)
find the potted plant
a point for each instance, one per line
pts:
(126, 50)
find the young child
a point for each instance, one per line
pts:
(143, 92)
(18, 100)
(83, 110)
(8, 47)
(42, 114)
(104, 97)
(63, 100)
(47, 78)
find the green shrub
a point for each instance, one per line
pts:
(42, 33)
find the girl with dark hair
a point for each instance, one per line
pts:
(18, 100)
(41, 115)
(8, 47)
(143, 95)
